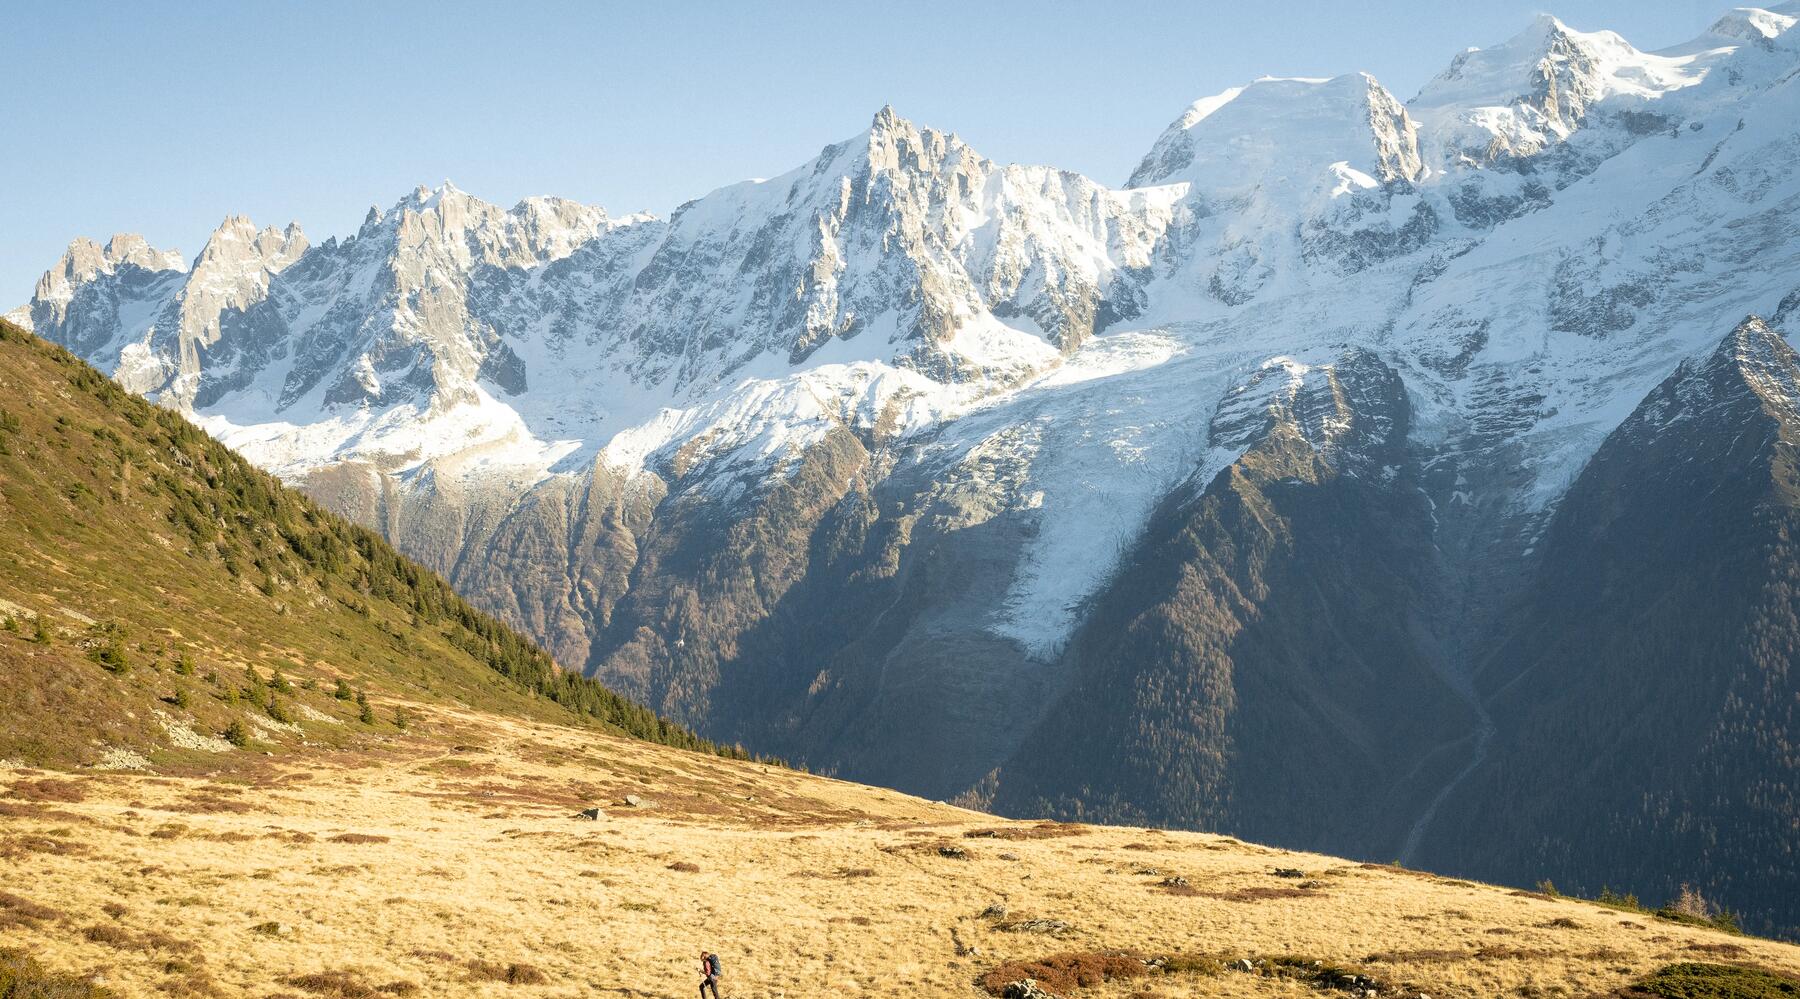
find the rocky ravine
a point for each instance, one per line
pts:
(1226, 498)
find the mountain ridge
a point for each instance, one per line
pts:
(845, 464)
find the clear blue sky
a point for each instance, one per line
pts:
(162, 118)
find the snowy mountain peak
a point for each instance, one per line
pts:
(86, 261)
(424, 198)
(897, 144)
(131, 248)
(1752, 24)
(1536, 89)
(1765, 361)
(1286, 131)
(237, 240)
(86, 258)
(1753, 368)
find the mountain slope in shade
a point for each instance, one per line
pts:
(1264, 660)
(1645, 691)
(876, 464)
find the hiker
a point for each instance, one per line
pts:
(709, 972)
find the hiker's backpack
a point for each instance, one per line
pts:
(713, 961)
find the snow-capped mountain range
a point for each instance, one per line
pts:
(841, 463)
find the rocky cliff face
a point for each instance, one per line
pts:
(1219, 498)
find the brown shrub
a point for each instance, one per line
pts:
(1489, 952)
(511, 974)
(357, 838)
(191, 984)
(48, 790)
(685, 867)
(344, 985)
(15, 910)
(158, 940)
(112, 936)
(291, 836)
(335, 984)
(114, 910)
(210, 804)
(1041, 830)
(1430, 956)
(1560, 923)
(1721, 949)
(116, 936)
(1064, 972)
(856, 872)
(17, 845)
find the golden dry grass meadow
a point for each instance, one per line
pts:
(457, 865)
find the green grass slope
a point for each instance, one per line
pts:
(158, 595)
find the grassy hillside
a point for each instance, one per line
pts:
(466, 870)
(159, 594)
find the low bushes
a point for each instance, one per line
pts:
(24, 977)
(1693, 980)
(1066, 971)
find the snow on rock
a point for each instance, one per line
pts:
(1533, 242)
(1285, 131)
(1513, 100)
